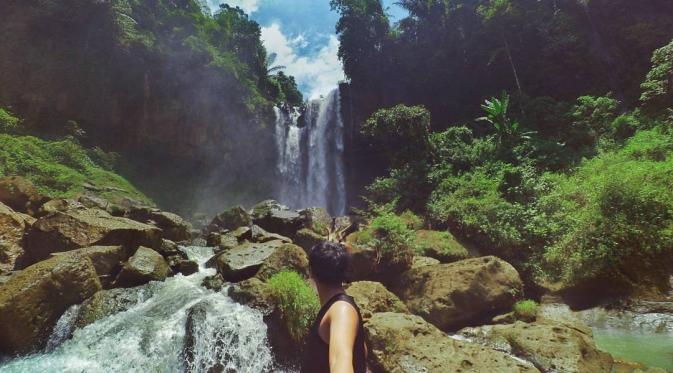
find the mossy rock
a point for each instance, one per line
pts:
(287, 257)
(407, 343)
(439, 245)
(307, 238)
(32, 301)
(372, 297)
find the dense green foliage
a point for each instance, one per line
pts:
(450, 55)
(60, 168)
(392, 238)
(589, 201)
(296, 300)
(439, 245)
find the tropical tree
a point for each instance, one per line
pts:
(497, 114)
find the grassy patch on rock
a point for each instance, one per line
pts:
(526, 309)
(60, 169)
(297, 302)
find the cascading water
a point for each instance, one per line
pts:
(150, 336)
(311, 155)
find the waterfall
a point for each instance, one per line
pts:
(310, 150)
(150, 336)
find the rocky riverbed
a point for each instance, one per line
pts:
(90, 286)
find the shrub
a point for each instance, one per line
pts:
(526, 310)
(297, 302)
(392, 239)
(613, 218)
(474, 205)
(8, 122)
(657, 87)
(439, 245)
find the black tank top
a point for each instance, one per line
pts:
(316, 351)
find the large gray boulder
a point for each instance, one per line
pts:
(400, 343)
(464, 293)
(551, 346)
(278, 219)
(144, 266)
(64, 231)
(33, 300)
(231, 219)
(258, 234)
(173, 227)
(13, 225)
(243, 262)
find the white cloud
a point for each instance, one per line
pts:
(317, 74)
(248, 6)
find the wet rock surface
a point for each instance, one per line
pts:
(144, 266)
(405, 343)
(550, 346)
(33, 300)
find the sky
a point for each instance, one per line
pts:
(301, 33)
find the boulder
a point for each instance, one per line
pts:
(106, 303)
(107, 260)
(197, 316)
(64, 231)
(231, 219)
(168, 248)
(174, 228)
(364, 262)
(33, 300)
(264, 208)
(94, 202)
(186, 267)
(307, 238)
(286, 257)
(464, 293)
(258, 234)
(242, 233)
(221, 241)
(243, 262)
(253, 293)
(400, 343)
(214, 282)
(550, 346)
(20, 195)
(372, 297)
(317, 220)
(144, 266)
(59, 205)
(277, 219)
(13, 225)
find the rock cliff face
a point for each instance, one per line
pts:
(182, 101)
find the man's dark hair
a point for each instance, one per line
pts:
(329, 262)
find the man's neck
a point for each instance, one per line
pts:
(327, 292)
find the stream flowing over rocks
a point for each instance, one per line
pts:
(150, 335)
